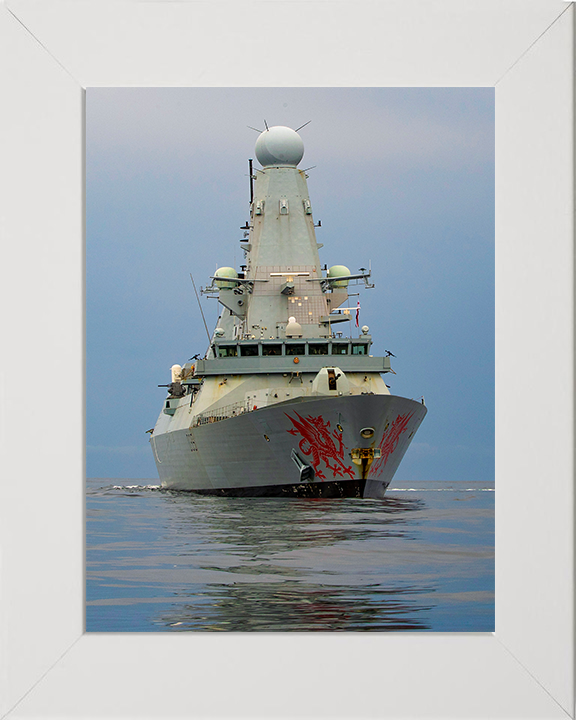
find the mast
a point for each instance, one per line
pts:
(283, 260)
(283, 276)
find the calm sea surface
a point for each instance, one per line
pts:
(163, 561)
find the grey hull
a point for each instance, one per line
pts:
(301, 448)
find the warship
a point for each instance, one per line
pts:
(288, 399)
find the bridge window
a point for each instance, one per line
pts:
(271, 349)
(318, 349)
(248, 350)
(227, 351)
(339, 348)
(295, 349)
(359, 348)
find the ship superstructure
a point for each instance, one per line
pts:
(283, 403)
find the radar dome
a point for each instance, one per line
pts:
(293, 328)
(279, 145)
(225, 272)
(335, 272)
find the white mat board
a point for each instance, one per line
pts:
(50, 52)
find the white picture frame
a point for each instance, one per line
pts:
(51, 50)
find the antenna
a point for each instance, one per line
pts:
(251, 128)
(200, 306)
(303, 126)
(266, 124)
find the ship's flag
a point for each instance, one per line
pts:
(358, 314)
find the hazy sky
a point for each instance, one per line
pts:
(403, 177)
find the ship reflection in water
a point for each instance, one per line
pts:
(286, 565)
(284, 606)
(171, 561)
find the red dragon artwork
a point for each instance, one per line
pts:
(318, 441)
(389, 442)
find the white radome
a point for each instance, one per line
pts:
(279, 145)
(293, 328)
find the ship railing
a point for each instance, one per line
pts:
(221, 413)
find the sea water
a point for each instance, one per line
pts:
(422, 559)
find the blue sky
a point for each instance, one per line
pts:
(403, 177)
